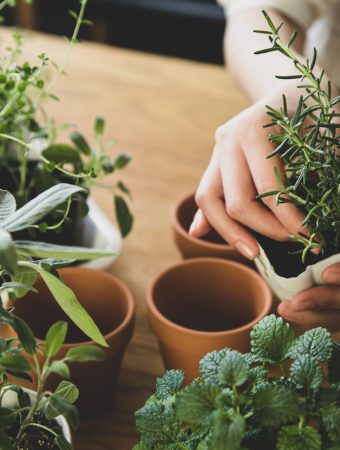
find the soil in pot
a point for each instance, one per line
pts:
(37, 438)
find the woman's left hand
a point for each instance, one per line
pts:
(318, 306)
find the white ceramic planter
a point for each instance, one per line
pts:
(10, 400)
(286, 288)
(96, 231)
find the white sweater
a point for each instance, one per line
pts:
(320, 19)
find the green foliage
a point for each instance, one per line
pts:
(307, 143)
(238, 405)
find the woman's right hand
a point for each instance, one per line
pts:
(238, 171)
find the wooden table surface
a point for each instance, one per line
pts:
(164, 112)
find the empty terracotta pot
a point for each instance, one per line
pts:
(211, 244)
(205, 304)
(110, 304)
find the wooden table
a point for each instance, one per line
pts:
(164, 112)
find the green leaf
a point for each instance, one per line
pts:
(293, 437)
(62, 443)
(316, 342)
(60, 368)
(233, 369)
(195, 404)
(71, 306)
(334, 364)
(80, 142)
(99, 126)
(55, 338)
(83, 353)
(61, 153)
(306, 372)
(271, 339)
(5, 443)
(7, 417)
(7, 204)
(276, 405)
(210, 365)
(25, 335)
(67, 391)
(8, 256)
(228, 431)
(121, 161)
(331, 421)
(124, 217)
(36, 209)
(15, 362)
(57, 405)
(169, 384)
(42, 250)
(24, 276)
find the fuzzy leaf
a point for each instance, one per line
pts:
(228, 431)
(233, 369)
(331, 421)
(306, 372)
(276, 405)
(316, 342)
(271, 339)
(295, 438)
(169, 384)
(7, 204)
(210, 365)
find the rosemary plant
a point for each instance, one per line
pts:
(308, 145)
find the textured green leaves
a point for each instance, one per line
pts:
(294, 437)
(210, 365)
(228, 431)
(169, 384)
(7, 205)
(316, 343)
(271, 339)
(233, 369)
(306, 372)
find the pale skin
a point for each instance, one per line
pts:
(238, 170)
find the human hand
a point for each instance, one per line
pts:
(317, 306)
(238, 171)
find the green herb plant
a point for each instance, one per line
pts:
(308, 144)
(32, 158)
(35, 414)
(237, 404)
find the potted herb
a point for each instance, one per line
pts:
(33, 159)
(308, 145)
(37, 419)
(236, 404)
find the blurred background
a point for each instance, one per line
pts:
(191, 29)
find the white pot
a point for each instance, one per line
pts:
(287, 288)
(96, 231)
(10, 400)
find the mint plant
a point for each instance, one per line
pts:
(308, 145)
(32, 158)
(237, 404)
(30, 421)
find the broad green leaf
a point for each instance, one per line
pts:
(80, 142)
(7, 204)
(67, 391)
(55, 338)
(25, 276)
(5, 443)
(45, 250)
(293, 437)
(8, 256)
(306, 372)
(61, 153)
(83, 353)
(122, 160)
(271, 339)
(15, 362)
(71, 306)
(36, 209)
(58, 406)
(228, 431)
(124, 217)
(169, 383)
(233, 370)
(60, 368)
(276, 405)
(25, 335)
(62, 443)
(316, 342)
(210, 365)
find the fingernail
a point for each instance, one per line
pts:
(329, 276)
(244, 249)
(195, 223)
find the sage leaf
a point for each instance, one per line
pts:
(84, 353)
(8, 256)
(55, 338)
(7, 204)
(124, 217)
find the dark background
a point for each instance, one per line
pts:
(190, 29)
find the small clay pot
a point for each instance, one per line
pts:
(110, 304)
(211, 244)
(205, 304)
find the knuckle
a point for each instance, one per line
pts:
(221, 133)
(235, 208)
(201, 198)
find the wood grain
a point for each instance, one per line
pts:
(164, 112)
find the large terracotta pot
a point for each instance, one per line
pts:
(110, 304)
(204, 304)
(190, 247)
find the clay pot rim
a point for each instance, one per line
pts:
(267, 295)
(184, 233)
(129, 300)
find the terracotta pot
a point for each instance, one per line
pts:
(190, 247)
(110, 304)
(205, 304)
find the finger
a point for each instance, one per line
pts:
(329, 319)
(240, 195)
(332, 275)
(317, 298)
(209, 198)
(200, 225)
